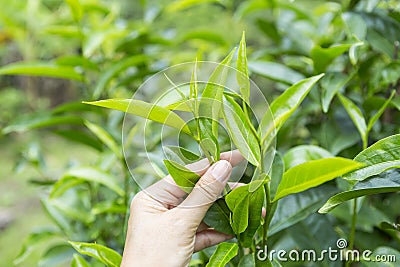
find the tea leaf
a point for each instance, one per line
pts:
(223, 254)
(330, 85)
(182, 154)
(322, 57)
(256, 202)
(76, 9)
(238, 202)
(356, 116)
(114, 71)
(105, 137)
(211, 98)
(247, 261)
(304, 153)
(56, 255)
(289, 101)
(218, 217)
(296, 207)
(41, 69)
(79, 261)
(41, 122)
(313, 173)
(386, 183)
(80, 175)
(34, 239)
(246, 208)
(208, 142)
(276, 72)
(144, 110)
(379, 157)
(104, 254)
(182, 176)
(240, 131)
(380, 111)
(242, 76)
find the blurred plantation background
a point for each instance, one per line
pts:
(62, 172)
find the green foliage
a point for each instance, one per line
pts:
(223, 254)
(313, 173)
(105, 50)
(106, 255)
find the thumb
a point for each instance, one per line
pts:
(207, 190)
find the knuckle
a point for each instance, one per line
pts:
(137, 200)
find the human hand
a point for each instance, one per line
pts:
(165, 228)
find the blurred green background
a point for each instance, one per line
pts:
(77, 50)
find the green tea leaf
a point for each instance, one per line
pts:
(238, 202)
(41, 69)
(77, 61)
(245, 205)
(34, 239)
(385, 183)
(379, 157)
(276, 173)
(242, 76)
(322, 57)
(289, 101)
(218, 217)
(184, 4)
(247, 261)
(76, 9)
(178, 153)
(330, 85)
(56, 255)
(182, 176)
(313, 173)
(41, 122)
(182, 105)
(211, 99)
(276, 72)
(78, 261)
(85, 174)
(223, 254)
(256, 202)
(103, 254)
(114, 71)
(241, 132)
(80, 137)
(380, 112)
(208, 142)
(145, 110)
(356, 116)
(300, 154)
(105, 137)
(296, 207)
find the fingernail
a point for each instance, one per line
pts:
(221, 170)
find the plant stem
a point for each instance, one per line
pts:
(354, 215)
(353, 229)
(267, 215)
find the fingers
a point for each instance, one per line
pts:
(208, 238)
(206, 191)
(170, 195)
(234, 157)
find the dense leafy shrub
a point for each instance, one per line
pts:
(350, 117)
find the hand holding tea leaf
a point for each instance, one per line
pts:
(165, 226)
